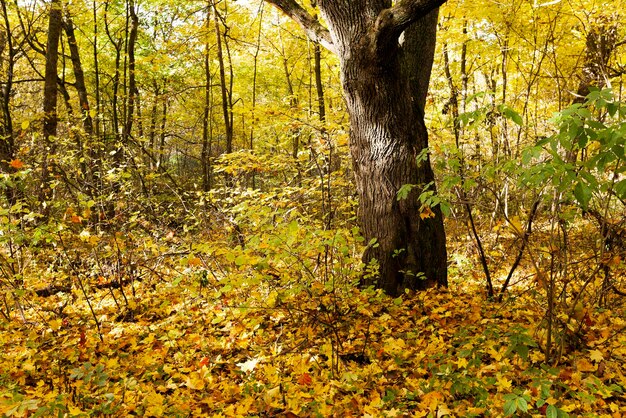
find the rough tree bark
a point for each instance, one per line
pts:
(386, 51)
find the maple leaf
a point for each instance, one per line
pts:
(443, 411)
(194, 381)
(584, 366)
(248, 366)
(503, 384)
(461, 362)
(74, 410)
(305, 379)
(596, 356)
(393, 412)
(431, 400)
(194, 262)
(16, 164)
(427, 213)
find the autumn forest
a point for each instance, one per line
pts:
(312, 208)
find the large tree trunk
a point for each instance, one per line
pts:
(386, 55)
(387, 135)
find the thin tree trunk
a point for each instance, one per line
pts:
(225, 102)
(79, 75)
(50, 121)
(96, 150)
(152, 133)
(83, 98)
(132, 80)
(7, 138)
(319, 88)
(162, 137)
(254, 85)
(205, 157)
(117, 44)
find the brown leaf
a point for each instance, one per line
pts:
(305, 379)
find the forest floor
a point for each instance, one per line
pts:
(181, 345)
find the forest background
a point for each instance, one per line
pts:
(179, 235)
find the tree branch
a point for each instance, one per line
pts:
(312, 27)
(393, 21)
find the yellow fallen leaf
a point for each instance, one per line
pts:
(248, 366)
(461, 362)
(194, 381)
(443, 411)
(431, 401)
(503, 384)
(55, 324)
(596, 356)
(74, 410)
(583, 365)
(393, 412)
(497, 356)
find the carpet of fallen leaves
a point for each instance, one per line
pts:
(186, 352)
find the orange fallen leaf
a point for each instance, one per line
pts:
(305, 379)
(194, 262)
(16, 164)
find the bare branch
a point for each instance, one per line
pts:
(312, 27)
(393, 21)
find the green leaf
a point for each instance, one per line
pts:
(422, 156)
(404, 191)
(552, 411)
(620, 189)
(511, 114)
(510, 407)
(241, 260)
(582, 193)
(373, 243)
(522, 404)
